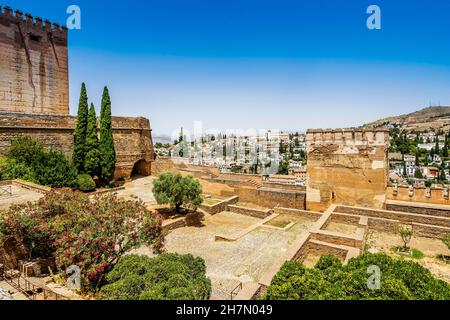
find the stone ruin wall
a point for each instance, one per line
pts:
(33, 65)
(132, 137)
(346, 166)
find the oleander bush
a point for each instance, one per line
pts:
(85, 183)
(330, 280)
(90, 233)
(169, 276)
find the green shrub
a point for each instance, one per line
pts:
(85, 183)
(53, 169)
(28, 160)
(400, 280)
(169, 276)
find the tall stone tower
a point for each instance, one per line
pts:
(33, 65)
(346, 166)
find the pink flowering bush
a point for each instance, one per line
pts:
(92, 233)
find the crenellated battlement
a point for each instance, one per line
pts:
(348, 136)
(31, 24)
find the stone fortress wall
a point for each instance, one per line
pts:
(346, 166)
(132, 137)
(34, 94)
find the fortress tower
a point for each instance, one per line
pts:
(34, 94)
(33, 65)
(346, 166)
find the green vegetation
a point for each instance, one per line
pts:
(330, 280)
(92, 159)
(85, 183)
(417, 254)
(28, 160)
(106, 144)
(79, 152)
(406, 235)
(166, 277)
(90, 233)
(174, 189)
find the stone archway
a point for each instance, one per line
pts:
(141, 168)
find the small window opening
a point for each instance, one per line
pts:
(34, 37)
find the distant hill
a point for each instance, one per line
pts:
(432, 118)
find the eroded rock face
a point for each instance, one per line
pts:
(11, 253)
(346, 166)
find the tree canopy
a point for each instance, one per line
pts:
(168, 276)
(174, 189)
(330, 280)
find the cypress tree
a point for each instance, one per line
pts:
(106, 145)
(79, 138)
(92, 159)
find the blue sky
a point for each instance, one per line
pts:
(277, 64)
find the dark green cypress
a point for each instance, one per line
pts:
(92, 159)
(79, 138)
(106, 145)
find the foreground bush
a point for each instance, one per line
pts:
(330, 280)
(28, 160)
(90, 233)
(85, 183)
(176, 190)
(167, 277)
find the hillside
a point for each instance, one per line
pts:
(432, 118)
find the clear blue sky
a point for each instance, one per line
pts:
(257, 64)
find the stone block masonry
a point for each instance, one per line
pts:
(346, 166)
(33, 65)
(132, 138)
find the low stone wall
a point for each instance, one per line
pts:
(30, 186)
(271, 198)
(303, 213)
(261, 214)
(419, 208)
(219, 207)
(394, 215)
(385, 225)
(174, 224)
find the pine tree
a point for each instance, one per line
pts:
(106, 145)
(445, 150)
(79, 138)
(92, 159)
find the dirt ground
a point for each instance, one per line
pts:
(341, 228)
(231, 263)
(284, 219)
(19, 195)
(384, 242)
(139, 188)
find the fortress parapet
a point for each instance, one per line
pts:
(346, 166)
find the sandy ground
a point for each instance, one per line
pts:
(384, 241)
(139, 188)
(341, 228)
(231, 263)
(19, 195)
